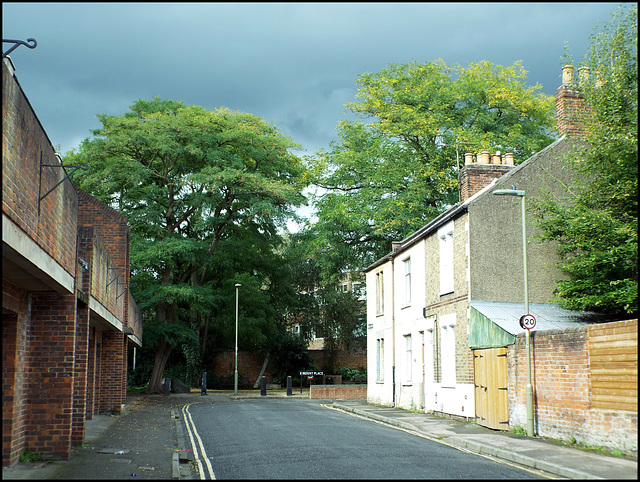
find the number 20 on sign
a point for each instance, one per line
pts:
(528, 322)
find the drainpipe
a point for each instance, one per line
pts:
(393, 328)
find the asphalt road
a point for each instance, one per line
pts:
(302, 439)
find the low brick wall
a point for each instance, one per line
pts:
(338, 392)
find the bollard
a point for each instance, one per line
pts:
(167, 385)
(263, 387)
(203, 389)
(289, 386)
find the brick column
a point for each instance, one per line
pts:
(81, 375)
(113, 358)
(51, 369)
(92, 374)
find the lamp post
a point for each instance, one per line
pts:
(235, 375)
(521, 194)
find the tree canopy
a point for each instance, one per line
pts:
(596, 225)
(387, 177)
(204, 192)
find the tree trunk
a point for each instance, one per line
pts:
(264, 367)
(160, 360)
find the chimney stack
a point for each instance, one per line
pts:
(476, 175)
(570, 105)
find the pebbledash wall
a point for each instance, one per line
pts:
(585, 384)
(65, 328)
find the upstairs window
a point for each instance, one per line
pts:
(407, 281)
(379, 293)
(445, 241)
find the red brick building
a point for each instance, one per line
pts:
(68, 318)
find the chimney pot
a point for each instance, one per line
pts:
(483, 157)
(496, 159)
(567, 74)
(508, 159)
(468, 158)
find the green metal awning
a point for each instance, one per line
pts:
(484, 333)
(494, 324)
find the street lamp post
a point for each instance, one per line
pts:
(521, 195)
(235, 375)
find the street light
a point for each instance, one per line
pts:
(521, 194)
(235, 375)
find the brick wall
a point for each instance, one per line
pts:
(50, 373)
(250, 364)
(80, 374)
(110, 226)
(58, 367)
(112, 369)
(25, 145)
(14, 354)
(338, 392)
(561, 381)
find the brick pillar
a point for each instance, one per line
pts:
(14, 350)
(113, 359)
(92, 374)
(81, 374)
(51, 373)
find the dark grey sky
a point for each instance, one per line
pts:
(293, 64)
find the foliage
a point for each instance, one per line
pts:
(321, 307)
(289, 355)
(596, 224)
(386, 178)
(350, 373)
(200, 189)
(28, 456)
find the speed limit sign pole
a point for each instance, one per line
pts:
(530, 431)
(521, 194)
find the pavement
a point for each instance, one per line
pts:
(147, 441)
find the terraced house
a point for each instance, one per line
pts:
(443, 312)
(68, 319)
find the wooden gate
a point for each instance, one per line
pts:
(490, 373)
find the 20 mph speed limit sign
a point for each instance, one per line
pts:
(528, 322)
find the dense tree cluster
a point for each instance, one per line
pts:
(208, 193)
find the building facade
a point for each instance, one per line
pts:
(419, 353)
(68, 319)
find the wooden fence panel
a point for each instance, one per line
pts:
(613, 360)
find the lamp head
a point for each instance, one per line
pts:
(508, 192)
(238, 285)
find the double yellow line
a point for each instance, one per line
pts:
(191, 430)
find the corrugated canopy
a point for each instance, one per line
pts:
(548, 316)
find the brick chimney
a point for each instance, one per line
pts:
(570, 105)
(478, 172)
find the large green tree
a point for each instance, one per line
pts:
(192, 181)
(394, 169)
(596, 224)
(321, 307)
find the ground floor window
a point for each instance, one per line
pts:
(380, 359)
